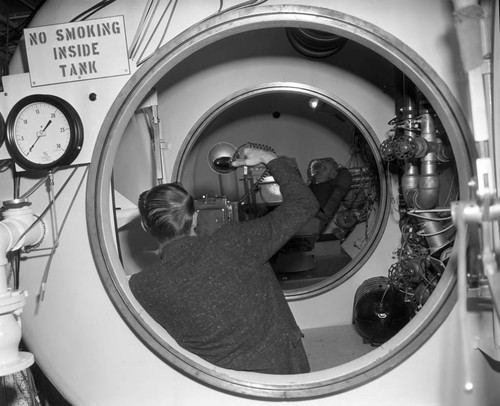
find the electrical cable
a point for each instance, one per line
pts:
(429, 218)
(265, 174)
(95, 11)
(141, 59)
(168, 22)
(243, 4)
(92, 10)
(139, 34)
(437, 232)
(146, 19)
(383, 296)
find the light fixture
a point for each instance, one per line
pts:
(318, 105)
(314, 103)
(220, 157)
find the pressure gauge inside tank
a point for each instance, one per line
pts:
(43, 132)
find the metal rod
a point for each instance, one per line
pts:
(462, 298)
(39, 218)
(52, 252)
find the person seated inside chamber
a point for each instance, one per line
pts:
(217, 295)
(330, 183)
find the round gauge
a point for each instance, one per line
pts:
(43, 132)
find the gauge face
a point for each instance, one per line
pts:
(43, 132)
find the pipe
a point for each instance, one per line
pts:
(427, 196)
(18, 217)
(422, 191)
(18, 228)
(420, 188)
(444, 153)
(409, 183)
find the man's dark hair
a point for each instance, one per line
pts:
(167, 211)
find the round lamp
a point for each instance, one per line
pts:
(220, 157)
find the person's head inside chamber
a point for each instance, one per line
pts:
(323, 170)
(167, 211)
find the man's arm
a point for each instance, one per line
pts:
(262, 237)
(343, 183)
(254, 156)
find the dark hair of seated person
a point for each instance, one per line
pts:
(167, 211)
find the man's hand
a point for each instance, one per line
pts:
(253, 156)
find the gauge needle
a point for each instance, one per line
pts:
(50, 121)
(40, 134)
(37, 138)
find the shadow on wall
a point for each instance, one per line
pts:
(137, 248)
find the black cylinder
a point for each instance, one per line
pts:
(380, 310)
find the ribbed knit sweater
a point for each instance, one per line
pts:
(219, 298)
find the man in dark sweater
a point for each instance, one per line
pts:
(217, 295)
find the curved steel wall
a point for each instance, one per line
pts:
(337, 379)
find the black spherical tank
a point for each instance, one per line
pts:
(380, 310)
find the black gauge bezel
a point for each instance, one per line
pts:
(75, 125)
(2, 129)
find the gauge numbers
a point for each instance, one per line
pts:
(43, 132)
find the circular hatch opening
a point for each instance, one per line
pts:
(102, 228)
(281, 115)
